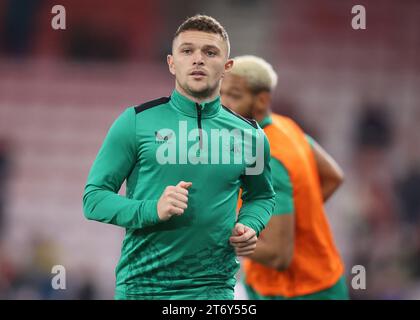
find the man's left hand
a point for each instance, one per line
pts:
(243, 239)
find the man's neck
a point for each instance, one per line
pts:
(197, 99)
(262, 116)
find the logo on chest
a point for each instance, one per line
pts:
(162, 137)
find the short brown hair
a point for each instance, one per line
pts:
(204, 23)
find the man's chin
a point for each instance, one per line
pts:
(201, 92)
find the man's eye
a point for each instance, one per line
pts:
(186, 51)
(211, 53)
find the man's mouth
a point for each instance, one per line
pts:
(198, 73)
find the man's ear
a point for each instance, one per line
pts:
(228, 66)
(170, 60)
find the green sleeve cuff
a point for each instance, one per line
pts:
(148, 213)
(251, 222)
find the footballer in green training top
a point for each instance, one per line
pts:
(185, 158)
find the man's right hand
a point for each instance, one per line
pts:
(173, 200)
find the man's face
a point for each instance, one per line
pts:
(198, 61)
(236, 95)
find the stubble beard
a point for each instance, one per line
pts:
(202, 94)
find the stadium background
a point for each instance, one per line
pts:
(355, 91)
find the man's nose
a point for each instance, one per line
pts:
(198, 58)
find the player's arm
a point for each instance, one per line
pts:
(113, 164)
(276, 243)
(258, 195)
(330, 174)
(257, 206)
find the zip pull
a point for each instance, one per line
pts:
(200, 134)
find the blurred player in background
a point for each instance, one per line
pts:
(182, 234)
(296, 256)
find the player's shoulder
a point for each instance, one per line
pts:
(150, 104)
(281, 121)
(235, 116)
(137, 112)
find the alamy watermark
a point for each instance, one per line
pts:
(358, 281)
(221, 146)
(359, 19)
(58, 22)
(358, 22)
(58, 281)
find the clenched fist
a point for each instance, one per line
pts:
(243, 239)
(173, 200)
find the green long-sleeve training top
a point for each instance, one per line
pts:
(158, 144)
